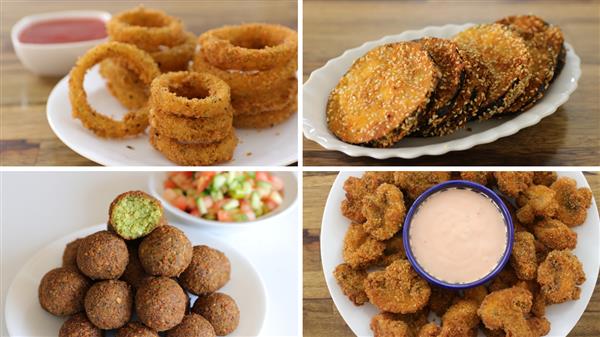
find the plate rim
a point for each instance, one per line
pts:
(332, 283)
(326, 139)
(91, 229)
(89, 154)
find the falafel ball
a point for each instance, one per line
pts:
(69, 258)
(134, 272)
(193, 325)
(102, 256)
(165, 252)
(62, 291)
(160, 303)
(220, 310)
(136, 329)
(135, 214)
(79, 325)
(108, 304)
(208, 272)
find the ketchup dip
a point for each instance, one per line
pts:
(63, 31)
(458, 235)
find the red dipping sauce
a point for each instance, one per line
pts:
(64, 31)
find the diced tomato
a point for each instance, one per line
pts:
(195, 212)
(170, 195)
(180, 202)
(277, 183)
(271, 205)
(250, 214)
(169, 184)
(217, 204)
(262, 176)
(245, 206)
(223, 216)
(187, 174)
(208, 202)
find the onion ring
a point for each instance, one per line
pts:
(190, 94)
(146, 28)
(275, 100)
(178, 57)
(199, 130)
(248, 82)
(265, 119)
(135, 121)
(194, 154)
(124, 84)
(253, 46)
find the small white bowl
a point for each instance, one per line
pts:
(290, 195)
(53, 59)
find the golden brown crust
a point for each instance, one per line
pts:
(378, 100)
(201, 130)
(165, 252)
(360, 249)
(160, 303)
(352, 282)
(560, 276)
(124, 84)
(266, 119)
(384, 211)
(208, 271)
(271, 101)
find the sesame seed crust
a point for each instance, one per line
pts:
(376, 101)
(505, 54)
(544, 43)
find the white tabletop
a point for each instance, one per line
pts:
(39, 207)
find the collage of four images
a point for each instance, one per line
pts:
(300, 168)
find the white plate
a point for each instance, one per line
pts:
(323, 80)
(267, 147)
(563, 317)
(25, 317)
(290, 195)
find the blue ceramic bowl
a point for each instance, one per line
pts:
(468, 185)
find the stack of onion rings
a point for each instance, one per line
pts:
(134, 59)
(191, 118)
(155, 32)
(258, 61)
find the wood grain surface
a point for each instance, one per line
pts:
(321, 317)
(25, 136)
(568, 137)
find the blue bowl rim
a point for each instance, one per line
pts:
(475, 186)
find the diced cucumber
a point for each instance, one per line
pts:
(255, 202)
(216, 195)
(263, 184)
(231, 204)
(240, 217)
(276, 197)
(251, 174)
(201, 206)
(218, 181)
(210, 216)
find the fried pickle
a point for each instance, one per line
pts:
(513, 183)
(507, 309)
(536, 201)
(573, 202)
(384, 211)
(545, 178)
(415, 183)
(360, 249)
(523, 258)
(441, 299)
(559, 276)
(397, 289)
(352, 281)
(357, 188)
(554, 234)
(460, 320)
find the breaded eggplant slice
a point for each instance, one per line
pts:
(544, 43)
(445, 55)
(470, 99)
(505, 54)
(135, 214)
(378, 101)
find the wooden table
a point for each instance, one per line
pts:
(25, 136)
(570, 136)
(321, 317)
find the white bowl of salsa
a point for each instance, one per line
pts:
(49, 44)
(225, 199)
(458, 234)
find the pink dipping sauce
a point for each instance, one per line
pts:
(458, 235)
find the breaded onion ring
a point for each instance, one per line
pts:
(248, 82)
(253, 46)
(190, 94)
(199, 130)
(137, 60)
(265, 119)
(178, 57)
(146, 28)
(194, 154)
(274, 100)
(124, 84)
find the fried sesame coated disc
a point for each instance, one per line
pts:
(445, 55)
(544, 43)
(506, 56)
(377, 101)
